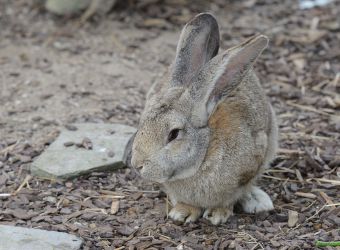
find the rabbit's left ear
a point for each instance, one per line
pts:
(198, 43)
(228, 74)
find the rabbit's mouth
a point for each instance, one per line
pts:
(170, 175)
(155, 174)
(159, 180)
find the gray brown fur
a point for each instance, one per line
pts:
(228, 131)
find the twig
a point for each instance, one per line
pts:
(326, 198)
(334, 204)
(5, 195)
(102, 210)
(311, 204)
(279, 171)
(336, 80)
(298, 175)
(280, 179)
(254, 247)
(311, 217)
(119, 248)
(306, 195)
(289, 151)
(307, 136)
(142, 191)
(104, 196)
(312, 109)
(166, 238)
(109, 192)
(25, 182)
(60, 201)
(242, 234)
(322, 208)
(334, 182)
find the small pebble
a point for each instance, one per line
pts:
(68, 143)
(111, 154)
(71, 127)
(275, 243)
(68, 184)
(50, 199)
(266, 223)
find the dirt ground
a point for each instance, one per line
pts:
(54, 72)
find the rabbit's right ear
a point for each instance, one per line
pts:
(198, 43)
(227, 74)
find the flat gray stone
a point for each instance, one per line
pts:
(14, 238)
(62, 160)
(66, 7)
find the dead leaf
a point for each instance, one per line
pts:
(114, 206)
(125, 230)
(293, 218)
(306, 195)
(299, 176)
(299, 63)
(306, 36)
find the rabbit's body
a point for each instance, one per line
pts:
(219, 182)
(207, 130)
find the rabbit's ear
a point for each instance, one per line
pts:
(198, 43)
(229, 73)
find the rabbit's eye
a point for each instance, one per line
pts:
(173, 135)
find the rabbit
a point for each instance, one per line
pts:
(207, 131)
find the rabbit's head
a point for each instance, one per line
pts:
(173, 135)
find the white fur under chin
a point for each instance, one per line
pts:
(256, 201)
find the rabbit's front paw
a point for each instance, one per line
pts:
(256, 201)
(185, 213)
(217, 215)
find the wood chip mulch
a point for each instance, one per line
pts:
(301, 74)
